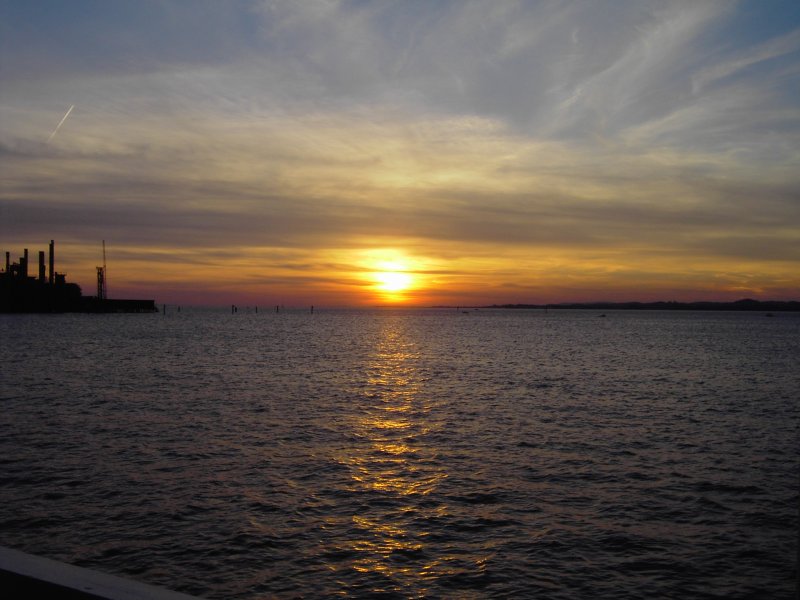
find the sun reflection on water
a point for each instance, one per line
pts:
(393, 467)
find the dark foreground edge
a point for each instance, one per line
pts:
(27, 576)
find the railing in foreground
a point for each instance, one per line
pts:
(27, 576)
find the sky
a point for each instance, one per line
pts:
(412, 152)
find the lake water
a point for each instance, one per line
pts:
(408, 453)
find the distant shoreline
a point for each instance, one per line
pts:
(738, 305)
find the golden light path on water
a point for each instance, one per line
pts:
(392, 463)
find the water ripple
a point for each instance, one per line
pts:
(407, 454)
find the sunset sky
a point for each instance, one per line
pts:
(420, 152)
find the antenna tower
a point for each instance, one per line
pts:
(102, 293)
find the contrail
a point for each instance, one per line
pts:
(55, 131)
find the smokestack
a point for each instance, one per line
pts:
(52, 262)
(24, 265)
(8, 261)
(41, 266)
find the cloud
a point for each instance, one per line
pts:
(483, 137)
(781, 46)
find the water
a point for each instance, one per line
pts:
(408, 454)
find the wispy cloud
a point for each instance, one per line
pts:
(636, 137)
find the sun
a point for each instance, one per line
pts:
(393, 281)
(391, 275)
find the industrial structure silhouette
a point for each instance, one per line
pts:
(48, 291)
